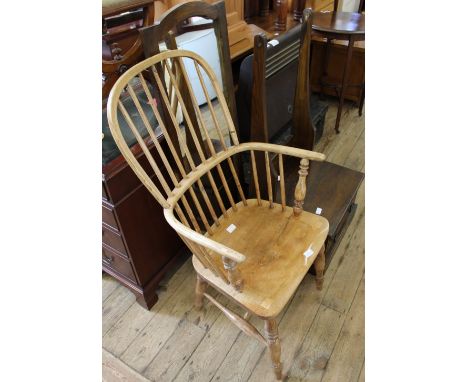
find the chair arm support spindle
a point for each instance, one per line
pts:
(301, 188)
(234, 276)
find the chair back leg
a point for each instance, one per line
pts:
(200, 289)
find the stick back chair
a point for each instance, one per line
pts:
(274, 100)
(255, 252)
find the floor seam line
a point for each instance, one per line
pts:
(342, 326)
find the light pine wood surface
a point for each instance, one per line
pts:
(321, 332)
(267, 286)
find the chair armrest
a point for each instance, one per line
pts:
(201, 239)
(287, 150)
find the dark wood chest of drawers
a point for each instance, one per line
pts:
(138, 246)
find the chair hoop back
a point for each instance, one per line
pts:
(165, 72)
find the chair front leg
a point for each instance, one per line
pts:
(319, 265)
(200, 289)
(271, 333)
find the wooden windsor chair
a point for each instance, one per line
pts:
(254, 251)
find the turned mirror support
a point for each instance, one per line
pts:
(298, 8)
(281, 15)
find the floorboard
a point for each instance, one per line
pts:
(322, 333)
(181, 346)
(153, 337)
(312, 358)
(348, 353)
(108, 286)
(211, 351)
(114, 370)
(362, 375)
(245, 351)
(135, 319)
(292, 328)
(118, 302)
(176, 352)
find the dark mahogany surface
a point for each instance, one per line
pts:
(339, 22)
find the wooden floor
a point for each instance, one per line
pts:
(321, 333)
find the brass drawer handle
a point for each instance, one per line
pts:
(108, 260)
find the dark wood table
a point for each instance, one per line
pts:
(340, 26)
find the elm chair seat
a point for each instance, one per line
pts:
(268, 237)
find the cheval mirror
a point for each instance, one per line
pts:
(253, 251)
(206, 35)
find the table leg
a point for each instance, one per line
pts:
(361, 101)
(344, 81)
(324, 70)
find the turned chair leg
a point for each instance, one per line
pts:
(200, 289)
(271, 333)
(319, 265)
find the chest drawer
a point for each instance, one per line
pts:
(113, 239)
(108, 216)
(117, 263)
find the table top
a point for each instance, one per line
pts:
(111, 7)
(339, 22)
